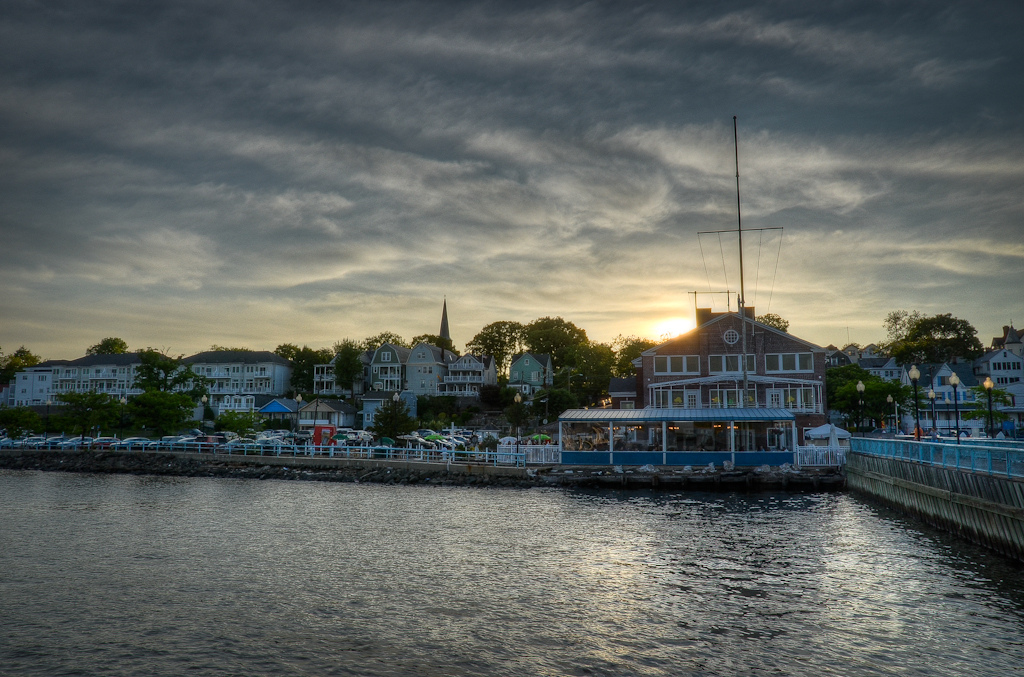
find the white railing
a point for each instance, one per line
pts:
(475, 378)
(820, 457)
(539, 454)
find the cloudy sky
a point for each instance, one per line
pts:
(252, 173)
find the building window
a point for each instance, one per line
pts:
(789, 362)
(719, 364)
(385, 356)
(627, 405)
(677, 364)
(731, 336)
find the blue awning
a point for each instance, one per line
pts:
(638, 416)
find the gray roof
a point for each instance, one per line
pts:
(622, 385)
(542, 358)
(659, 415)
(230, 356)
(332, 405)
(120, 360)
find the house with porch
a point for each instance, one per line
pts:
(326, 412)
(701, 392)
(427, 368)
(467, 374)
(387, 368)
(242, 380)
(530, 372)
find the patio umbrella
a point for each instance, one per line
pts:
(433, 438)
(540, 437)
(387, 441)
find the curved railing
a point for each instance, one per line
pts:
(993, 460)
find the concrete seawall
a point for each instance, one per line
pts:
(985, 509)
(322, 468)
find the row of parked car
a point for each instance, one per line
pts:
(267, 440)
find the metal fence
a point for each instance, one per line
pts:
(502, 456)
(534, 454)
(993, 460)
(820, 457)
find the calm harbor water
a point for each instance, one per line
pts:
(128, 575)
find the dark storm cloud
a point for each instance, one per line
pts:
(303, 171)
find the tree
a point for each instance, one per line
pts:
(897, 325)
(842, 395)
(516, 414)
(1000, 398)
(627, 349)
(18, 421)
(303, 360)
(85, 411)
(496, 396)
(162, 373)
(224, 349)
(241, 422)
(392, 420)
(553, 336)
(376, 341)
(348, 363)
(501, 340)
(108, 346)
(434, 340)
(551, 403)
(163, 412)
(20, 359)
(937, 339)
(773, 320)
(592, 364)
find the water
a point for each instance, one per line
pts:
(127, 575)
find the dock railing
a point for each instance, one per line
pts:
(820, 457)
(992, 460)
(502, 456)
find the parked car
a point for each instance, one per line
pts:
(76, 443)
(131, 443)
(103, 442)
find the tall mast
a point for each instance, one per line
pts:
(741, 300)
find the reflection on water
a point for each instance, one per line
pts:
(134, 575)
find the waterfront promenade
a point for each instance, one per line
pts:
(974, 490)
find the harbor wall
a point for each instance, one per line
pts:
(984, 508)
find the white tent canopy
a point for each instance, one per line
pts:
(823, 432)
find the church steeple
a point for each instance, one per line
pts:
(444, 321)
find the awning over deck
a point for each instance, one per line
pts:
(639, 416)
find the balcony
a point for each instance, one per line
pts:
(463, 378)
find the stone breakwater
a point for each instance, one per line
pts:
(402, 472)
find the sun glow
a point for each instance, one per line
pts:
(672, 327)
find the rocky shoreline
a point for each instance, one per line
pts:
(385, 472)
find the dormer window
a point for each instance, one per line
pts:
(385, 356)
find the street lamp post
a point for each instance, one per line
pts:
(124, 401)
(860, 394)
(519, 400)
(46, 426)
(945, 401)
(931, 397)
(954, 381)
(915, 374)
(988, 388)
(298, 405)
(888, 398)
